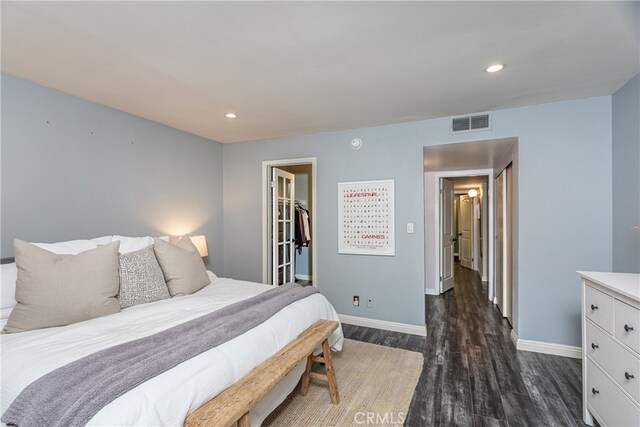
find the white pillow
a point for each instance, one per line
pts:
(212, 276)
(71, 247)
(103, 240)
(8, 277)
(132, 244)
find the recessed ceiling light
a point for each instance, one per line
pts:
(494, 68)
(230, 116)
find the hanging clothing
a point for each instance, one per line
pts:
(302, 228)
(305, 225)
(297, 232)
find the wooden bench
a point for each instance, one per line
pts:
(234, 403)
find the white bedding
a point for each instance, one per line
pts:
(169, 397)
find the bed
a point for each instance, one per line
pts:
(169, 397)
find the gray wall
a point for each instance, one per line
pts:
(60, 181)
(73, 169)
(626, 177)
(563, 148)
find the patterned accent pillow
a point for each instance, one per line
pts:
(141, 278)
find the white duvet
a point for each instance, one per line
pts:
(169, 397)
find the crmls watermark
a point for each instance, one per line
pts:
(378, 418)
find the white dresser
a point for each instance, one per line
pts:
(611, 348)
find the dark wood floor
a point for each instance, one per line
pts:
(472, 373)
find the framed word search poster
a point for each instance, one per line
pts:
(366, 218)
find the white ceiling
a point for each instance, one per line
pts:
(485, 154)
(290, 68)
(467, 183)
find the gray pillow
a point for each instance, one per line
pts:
(141, 278)
(182, 266)
(57, 290)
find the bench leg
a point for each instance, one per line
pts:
(244, 421)
(306, 377)
(331, 376)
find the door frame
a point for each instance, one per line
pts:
(266, 164)
(437, 223)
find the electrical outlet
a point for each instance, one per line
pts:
(369, 303)
(356, 300)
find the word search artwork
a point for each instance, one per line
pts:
(366, 218)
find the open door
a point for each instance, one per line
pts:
(503, 244)
(282, 226)
(508, 257)
(499, 245)
(446, 235)
(465, 231)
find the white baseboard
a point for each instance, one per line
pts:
(431, 292)
(384, 324)
(514, 338)
(546, 347)
(303, 277)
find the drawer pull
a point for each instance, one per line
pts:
(628, 328)
(594, 345)
(628, 376)
(594, 391)
(594, 307)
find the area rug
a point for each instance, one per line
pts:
(375, 384)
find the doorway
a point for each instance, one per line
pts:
(288, 221)
(465, 214)
(486, 158)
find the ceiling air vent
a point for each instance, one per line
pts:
(470, 123)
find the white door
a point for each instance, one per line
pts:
(465, 231)
(507, 261)
(282, 227)
(446, 234)
(499, 246)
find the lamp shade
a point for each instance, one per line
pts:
(200, 243)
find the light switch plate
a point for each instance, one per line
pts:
(410, 227)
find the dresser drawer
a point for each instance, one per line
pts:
(627, 325)
(608, 401)
(599, 308)
(620, 363)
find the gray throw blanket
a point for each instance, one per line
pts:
(72, 394)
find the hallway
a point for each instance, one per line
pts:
(473, 375)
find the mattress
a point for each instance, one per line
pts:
(169, 397)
